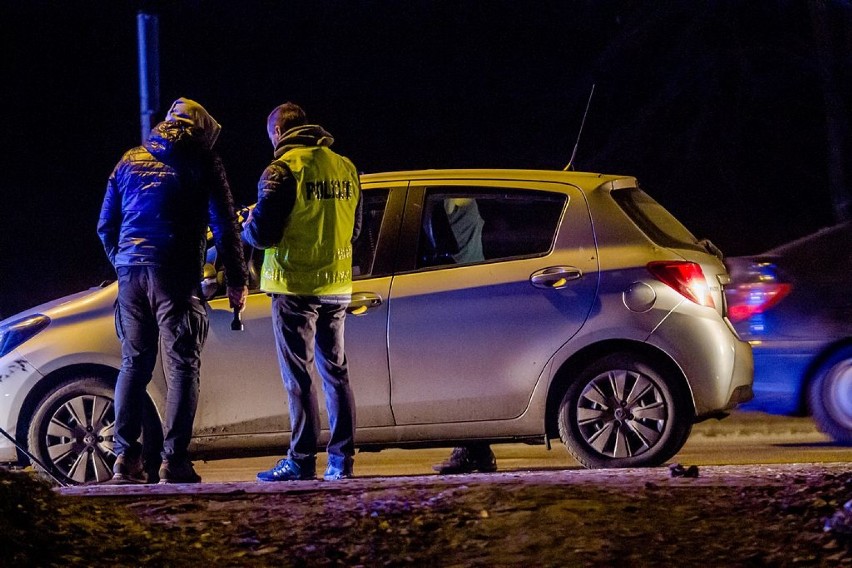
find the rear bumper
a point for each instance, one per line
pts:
(780, 377)
(742, 374)
(718, 366)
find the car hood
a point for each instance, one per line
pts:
(101, 297)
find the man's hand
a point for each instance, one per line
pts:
(248, 218)
(237, 297)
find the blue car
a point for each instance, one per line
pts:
(793, 304)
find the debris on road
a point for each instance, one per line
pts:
(840, 523)
(678, 470)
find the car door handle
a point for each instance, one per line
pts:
(555, 276)
(363, 301)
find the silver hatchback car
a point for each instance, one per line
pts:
(490, 305)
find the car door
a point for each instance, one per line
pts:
(473, 324)
(241, 386)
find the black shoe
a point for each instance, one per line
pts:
(180, 471)
(467, 460)
(128, 470)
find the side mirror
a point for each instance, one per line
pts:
(210, 281)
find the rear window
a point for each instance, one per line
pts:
(658, 224)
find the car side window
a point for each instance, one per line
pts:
(470, 225)
(374, 203)
(363, 249)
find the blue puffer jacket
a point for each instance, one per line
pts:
(160, 198)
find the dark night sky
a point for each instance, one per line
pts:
(715, 106)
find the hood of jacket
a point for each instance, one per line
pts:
(201, 124)
(306, 135)
(187, 129)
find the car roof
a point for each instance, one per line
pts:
(821, 254)
(586, 181)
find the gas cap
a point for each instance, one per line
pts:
(639, 297)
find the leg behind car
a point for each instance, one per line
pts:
(475, 456)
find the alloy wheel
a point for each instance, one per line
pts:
(621, 413)
(80, 438)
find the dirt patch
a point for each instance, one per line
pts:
(732, 516)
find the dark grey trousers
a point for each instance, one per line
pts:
(306, 327)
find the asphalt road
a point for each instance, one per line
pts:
(744, 438)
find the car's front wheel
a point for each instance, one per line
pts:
(623, 412)
(830, 397)
(72, 431)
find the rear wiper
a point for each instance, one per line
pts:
(711, 248)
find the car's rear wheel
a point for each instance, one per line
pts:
(72, 430)
(830, 397)
(622, 412)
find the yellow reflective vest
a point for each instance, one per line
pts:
(314, 257)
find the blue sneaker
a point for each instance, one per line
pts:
(287, 470)
(333, 473)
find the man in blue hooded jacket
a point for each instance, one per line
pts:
(160, 199)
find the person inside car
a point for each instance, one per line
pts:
(466, 226)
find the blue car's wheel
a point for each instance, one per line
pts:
(830, 397)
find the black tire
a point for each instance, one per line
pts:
(830, 397)
(622, 412)
(72, 431)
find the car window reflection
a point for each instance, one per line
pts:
(475, 225)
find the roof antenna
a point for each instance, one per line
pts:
(574, 153)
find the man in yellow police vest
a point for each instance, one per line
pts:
(308, 213)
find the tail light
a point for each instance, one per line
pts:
(686, 278)
(748, 299)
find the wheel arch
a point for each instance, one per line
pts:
(572, 366)
(52, 381)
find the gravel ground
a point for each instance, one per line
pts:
(726, 516)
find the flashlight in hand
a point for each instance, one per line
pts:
(237, 323)
(237, 301)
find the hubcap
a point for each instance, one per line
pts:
(621, 414)
(80, 438)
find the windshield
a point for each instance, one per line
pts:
(657, 223)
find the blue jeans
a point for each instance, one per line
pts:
(305, 326)
(156, 304)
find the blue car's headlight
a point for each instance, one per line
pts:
(14, 333)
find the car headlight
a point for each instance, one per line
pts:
(14, 333)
